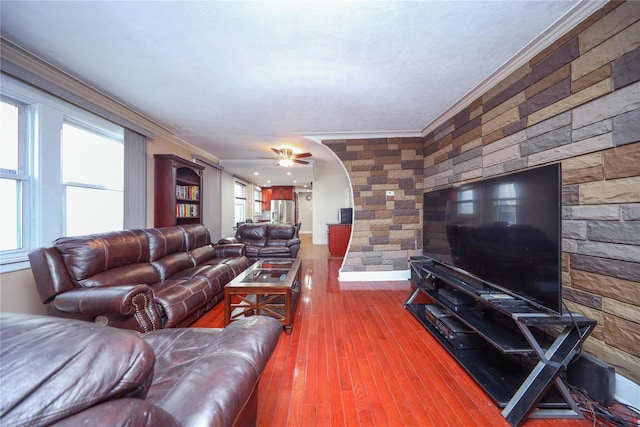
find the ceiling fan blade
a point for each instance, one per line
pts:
(275, 150)
(302, 162)
(302, 155)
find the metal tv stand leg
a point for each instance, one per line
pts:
(547, 370)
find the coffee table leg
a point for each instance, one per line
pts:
(227, 308)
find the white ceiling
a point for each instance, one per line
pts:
(235, 78)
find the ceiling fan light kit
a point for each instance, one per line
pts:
(287, 158)
(285, 162)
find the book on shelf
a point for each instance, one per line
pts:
(188, 192)
(187, 210)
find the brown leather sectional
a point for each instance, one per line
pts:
(136, 279)
(65, 372)
(265, 240)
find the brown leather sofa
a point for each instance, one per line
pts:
(136, 279)
(266, 240)
(64, 372)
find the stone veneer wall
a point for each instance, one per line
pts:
(387, 230)
(578, 103)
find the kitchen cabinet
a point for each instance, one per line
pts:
(282, 193)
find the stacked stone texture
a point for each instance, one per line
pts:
(386, 229)
(577, 103)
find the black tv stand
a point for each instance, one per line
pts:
(513, 350)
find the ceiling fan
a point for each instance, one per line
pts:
(287, 158)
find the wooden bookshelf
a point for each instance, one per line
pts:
(178, 191)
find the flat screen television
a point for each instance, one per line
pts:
(503, 233)
(345, 215)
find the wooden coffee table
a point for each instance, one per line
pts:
(270, 287)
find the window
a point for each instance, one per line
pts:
(61, 172)
(93, 176)
(257, 204)
(505, 203)
(14, 176)
(465, 202)
(240, 194)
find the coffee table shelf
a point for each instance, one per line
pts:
(268, 287)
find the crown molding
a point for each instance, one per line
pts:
(562, 26)
(332, 136)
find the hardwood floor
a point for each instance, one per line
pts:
(356, 357)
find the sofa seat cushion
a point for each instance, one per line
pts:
(237, 264)
(181, 297)
(255, 242)
(274, 251)
(235, 355)
(216, 275)
(253, 251)
(62, 355)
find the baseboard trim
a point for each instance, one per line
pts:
(373, 276)
(627, 392)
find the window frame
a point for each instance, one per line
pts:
(465, 200)
(257, 203)
(115, 135)
(44, 117)
(239, 201)
(22, 175)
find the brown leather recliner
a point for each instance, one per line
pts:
(266, 240)
(136, 279)
(65, 372)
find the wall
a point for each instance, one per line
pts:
(330, 193)
(578, 103)
(387, 228)
(305, 211)
(18, 293)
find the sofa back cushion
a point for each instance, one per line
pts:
(195, 236)
(252, 234)
(92, 260)
(168, 251)
(281, 232)
(52, 368)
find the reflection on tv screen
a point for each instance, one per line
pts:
(503, 230)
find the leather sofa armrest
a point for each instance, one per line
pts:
(228, 240)
(230, 250)
(126, 306)
(292, 242)
(233, 358)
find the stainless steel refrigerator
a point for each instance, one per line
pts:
(282, 212)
